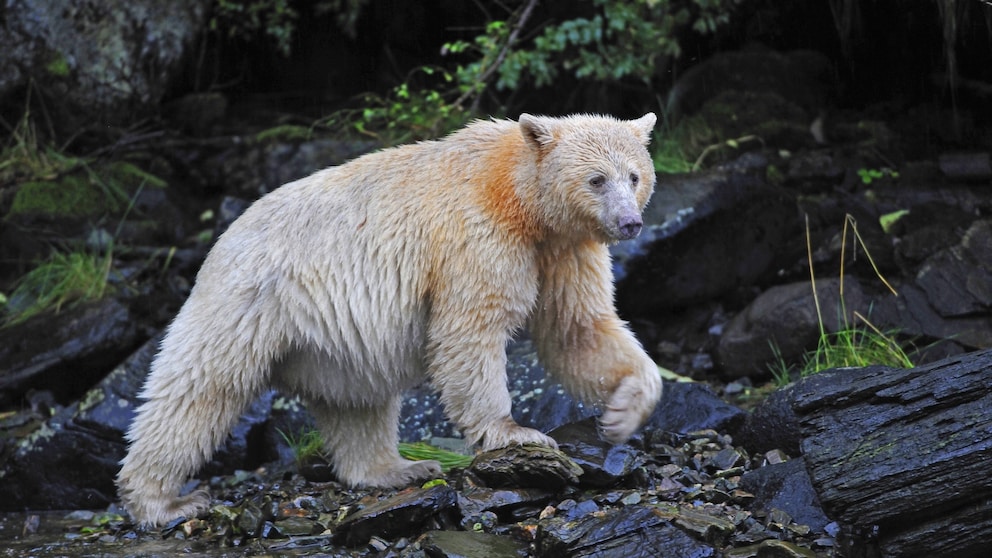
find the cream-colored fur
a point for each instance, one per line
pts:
(413, 263)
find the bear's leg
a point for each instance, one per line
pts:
(467, 365)
(582, 343)
(173, 434)
(362, 444)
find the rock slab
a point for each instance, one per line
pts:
(903, 454)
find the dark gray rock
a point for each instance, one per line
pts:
(468, 544)
(903, 453)
(958, 279)
(802, 77)
(706, 235)
(71, 459)
(943, 253)
(785, 317)
(786, 487)
(403, 514)
(66, 353)
(102, 61)
(603, 464)
(255, 167)
(688, 407)
(526, 466)
(473, 501)
(633, 532)
(771, 425)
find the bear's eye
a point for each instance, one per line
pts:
(597, 181)
(634, 179)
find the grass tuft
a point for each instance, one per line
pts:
(62, 279)
(857, 344)
(420, 451)
(306, 444)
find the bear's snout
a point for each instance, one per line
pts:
(629, 227)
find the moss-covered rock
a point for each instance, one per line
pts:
(85, 192)
(69, 196)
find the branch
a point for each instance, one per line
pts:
(510, 41)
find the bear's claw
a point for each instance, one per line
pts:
(629, 406)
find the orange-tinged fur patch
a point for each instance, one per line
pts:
(497, 188)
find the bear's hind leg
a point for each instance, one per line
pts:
(362, 445)
(172, 435)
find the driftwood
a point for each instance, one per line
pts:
(903, 457)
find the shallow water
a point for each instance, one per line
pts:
(51, 534)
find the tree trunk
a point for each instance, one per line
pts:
(903, 456)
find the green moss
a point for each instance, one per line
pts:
(129, 177)
(84, 192)
(92, 398)
(58, 66)
(70, 196)
(287, 132)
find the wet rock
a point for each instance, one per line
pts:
(771, 425)
(687, 407)
(784, 317)
(632, 531)
(603, 464)
(97, 62)
(700, 240)
(66, 353)
(958, 279)
(298, 526)
(903, 452)
(474, 501)
(772, 549)
(251, 516)
(528, 466)
(468, 544)
(70, 461)
(786, 487)
(704, 526)
(404, 514)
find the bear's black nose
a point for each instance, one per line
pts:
(629, 228)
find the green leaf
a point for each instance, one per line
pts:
(890, 219)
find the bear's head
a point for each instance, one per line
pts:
(594, 173)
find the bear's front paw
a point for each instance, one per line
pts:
(629, 406)
(509, 433)
(404, 473)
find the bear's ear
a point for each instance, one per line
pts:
(643, 127)
(537, 131)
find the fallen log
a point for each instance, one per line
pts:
(903, 456)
